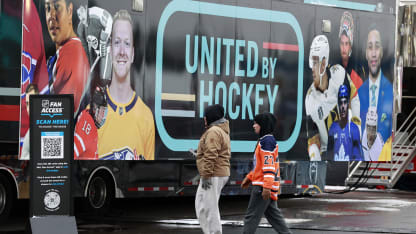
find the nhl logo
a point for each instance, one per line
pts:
(120, 110)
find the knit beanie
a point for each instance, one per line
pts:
(267, 122)
(213, 113)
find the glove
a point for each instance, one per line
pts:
(82, 15)
(314, 153)
(206, 183)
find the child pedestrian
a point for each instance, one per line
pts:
(265, 178)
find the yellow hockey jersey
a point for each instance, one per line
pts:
(128, 132)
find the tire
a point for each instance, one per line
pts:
(100, 193)
(6, 198)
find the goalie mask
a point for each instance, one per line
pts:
(347, 27)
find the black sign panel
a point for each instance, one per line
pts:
(51, 151)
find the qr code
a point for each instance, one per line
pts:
(52, 146)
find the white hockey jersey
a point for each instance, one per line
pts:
(373, 153)
(319, 104)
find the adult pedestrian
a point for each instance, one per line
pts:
(213, 162)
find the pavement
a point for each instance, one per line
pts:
(358, 212)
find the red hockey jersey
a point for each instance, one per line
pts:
(85, 137)
(70, 72)
(33, 59)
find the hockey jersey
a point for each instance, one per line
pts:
(372, 153)
(69, 75)
(266, 171)
(85, 137)
(344, 143)
(128, 132)
(356, 80)
(385, 154)
(355, 83)
(320, 104)
(33, 60)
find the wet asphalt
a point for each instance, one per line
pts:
(363, 211)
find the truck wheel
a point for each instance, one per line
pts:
(6, 198)
(100, 193)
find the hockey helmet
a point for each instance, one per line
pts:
(319, 48)
(343, 92)
(99, 106)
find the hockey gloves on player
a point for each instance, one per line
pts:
(314, 153)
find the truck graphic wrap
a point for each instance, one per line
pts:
(141, 79)
(242, 75)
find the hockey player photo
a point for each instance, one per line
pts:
(67, 75)
(346, 39)
(129, 130)
(344, 135)
(94, 30)
(372, 140)
(89, 120)
(377, 90)
(321, 98)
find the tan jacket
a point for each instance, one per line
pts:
(214, 151)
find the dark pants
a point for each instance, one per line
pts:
(257, 207)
